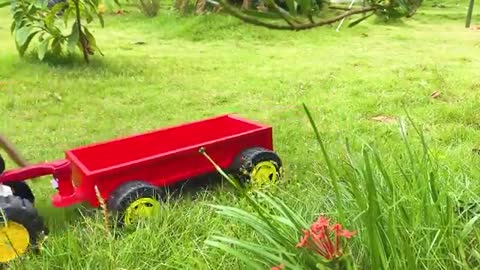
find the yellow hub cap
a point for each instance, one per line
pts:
(264, 173)
(141, 208)
(14, 241)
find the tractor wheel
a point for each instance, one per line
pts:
(134, 201)
(257, 167)
(20, 189)
(20, 228)
(2, 164)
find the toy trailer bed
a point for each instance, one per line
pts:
(161, 157)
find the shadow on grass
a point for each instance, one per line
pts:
(98, 65)
(194, 186)
(60, 219)
(69, 60)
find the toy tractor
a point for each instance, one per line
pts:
(131, 173)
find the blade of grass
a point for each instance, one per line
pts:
(246, 259)
(373, 220)
(331, 169)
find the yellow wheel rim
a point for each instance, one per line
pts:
(14, 241)
(140, 209)
(264, 173)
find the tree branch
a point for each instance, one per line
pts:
(249, 19)
(81, 36)
(340, 8)
(282, 13)
(297, 27)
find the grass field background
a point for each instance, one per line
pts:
(195, 67)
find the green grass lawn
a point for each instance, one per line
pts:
(197, 67)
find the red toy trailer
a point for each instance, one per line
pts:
(130, 173)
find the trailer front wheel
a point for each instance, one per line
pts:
(258, 167)
(134, 201)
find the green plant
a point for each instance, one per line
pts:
(320, 247)
(400, 226)
(34, 19)
(282, 229)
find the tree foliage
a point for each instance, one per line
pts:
(55, 26)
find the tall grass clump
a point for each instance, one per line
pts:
(401, 209)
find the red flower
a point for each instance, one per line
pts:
(303, 240)
(278, 267)
(318, 238)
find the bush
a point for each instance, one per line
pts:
(39, 21)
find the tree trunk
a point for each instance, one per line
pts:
(246, 4)
(81, 36)
(200, 7)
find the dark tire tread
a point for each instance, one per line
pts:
(20, 189)
(246, 161)
(125, 194)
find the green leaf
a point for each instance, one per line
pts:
(50, 19)
(5, 4)
(246, 259)
(18, 15)
(469, 227)
(42, 48)
(66, 15)
(287, 212)
(22, 35)
(22, 48)
(254, 222)
(42, 4)
(73, 38)
(91, 40)
(332, 171)
(90, 3)
(89, 17)
(13, 26)
(57, 45)
(262, 251)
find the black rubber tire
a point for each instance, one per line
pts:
(245, 162)
(119, 200)
(21, 211)
(20, 189)
(2, 164)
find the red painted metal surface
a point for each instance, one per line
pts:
(161, 157)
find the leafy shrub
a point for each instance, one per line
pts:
(40, 21)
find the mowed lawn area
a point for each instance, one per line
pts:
(169, 70)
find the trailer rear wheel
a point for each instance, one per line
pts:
(134, 201)
(20, 228)
(258, 167)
